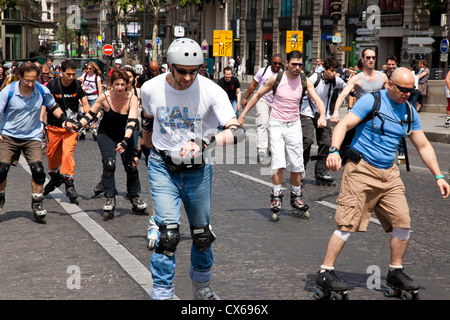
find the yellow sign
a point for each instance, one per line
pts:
(294, 41)
(223, 43)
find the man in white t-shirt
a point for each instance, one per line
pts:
(183, 110)
(264, 105)
(325, 84)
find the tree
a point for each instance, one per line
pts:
(60, 35)
(5, 5)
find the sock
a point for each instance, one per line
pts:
(325, 268)
(393, 267)
(276, 188)
(295, 188)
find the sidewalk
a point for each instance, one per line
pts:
(432, 123)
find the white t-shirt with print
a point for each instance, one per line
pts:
(182, 115)
(324, 93)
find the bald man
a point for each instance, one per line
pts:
(152, 71)
(371, 181)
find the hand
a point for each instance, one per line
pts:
(334, 118)
(444, 187)
(334, 161)
(191, 146)
(70, 126)
(241, 120)
(322, 122)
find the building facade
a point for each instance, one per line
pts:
(260, 28)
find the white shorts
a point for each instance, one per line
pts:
(286, 139)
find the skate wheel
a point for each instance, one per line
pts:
(407, 296)
(339, 296)
(321, 295)
(389, 292)
(275, 217)
(306, 214)
(108, 215)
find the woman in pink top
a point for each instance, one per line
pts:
(285, 131)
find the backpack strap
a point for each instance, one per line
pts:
(277, 82)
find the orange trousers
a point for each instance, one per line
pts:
(60, 147)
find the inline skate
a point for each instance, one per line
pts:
(276, 204)
(108, 208)
(37, 205)
(71, 193)
(326, 180)
(138, 205)
(299, 207)
(152, 233)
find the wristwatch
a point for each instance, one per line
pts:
(333, 150)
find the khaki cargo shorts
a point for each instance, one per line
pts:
(10, 149)
(366, 189)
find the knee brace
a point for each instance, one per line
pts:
(4, 168)
(401, 233)
(131, 170)
(344, 235)
(37, 172)
(168, 239)
(202, 237)
(109, 167)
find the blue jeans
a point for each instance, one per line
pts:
(169, 189)
(234, 105)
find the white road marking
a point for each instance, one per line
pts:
(324, 203)
(126, 260)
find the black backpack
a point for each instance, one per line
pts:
(345, 150)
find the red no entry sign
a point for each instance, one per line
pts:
(108, 49)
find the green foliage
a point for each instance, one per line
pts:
(436, 5)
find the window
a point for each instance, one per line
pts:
(251, 14)
(392, 5)
(354, 6)
(286, 8)
(307, 8)
(268, 9)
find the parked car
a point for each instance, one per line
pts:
(58, 54)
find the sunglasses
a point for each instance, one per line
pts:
(403, 90)
(297, 64)
(370, 57)
(277, 63)
(184, 72)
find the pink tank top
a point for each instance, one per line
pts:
(286, 101)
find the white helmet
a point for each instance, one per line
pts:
(185, 51)
(118, 61)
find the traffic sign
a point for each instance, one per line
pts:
(108, 49)
(366, 38)
(336, 39)
(421, 40)
(223, 43)
(419, 50)
(294, 41)
(444, 57)
(369, 44)
(365, 31)
(347, 49)
(421, 33)
(444, 45)
(205, 46)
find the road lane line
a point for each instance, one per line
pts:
(324, 203)
(126, 260)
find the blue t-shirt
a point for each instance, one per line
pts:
(380, 149)
(20, 119)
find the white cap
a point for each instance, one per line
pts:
(185, 51)
(118, 61)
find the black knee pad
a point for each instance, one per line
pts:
(4, 168)
(168, 239)
(131, 170)
(37, 172)
(109, 167)
(202, 237)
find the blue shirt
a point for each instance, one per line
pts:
(380, 149)
(21, 117)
